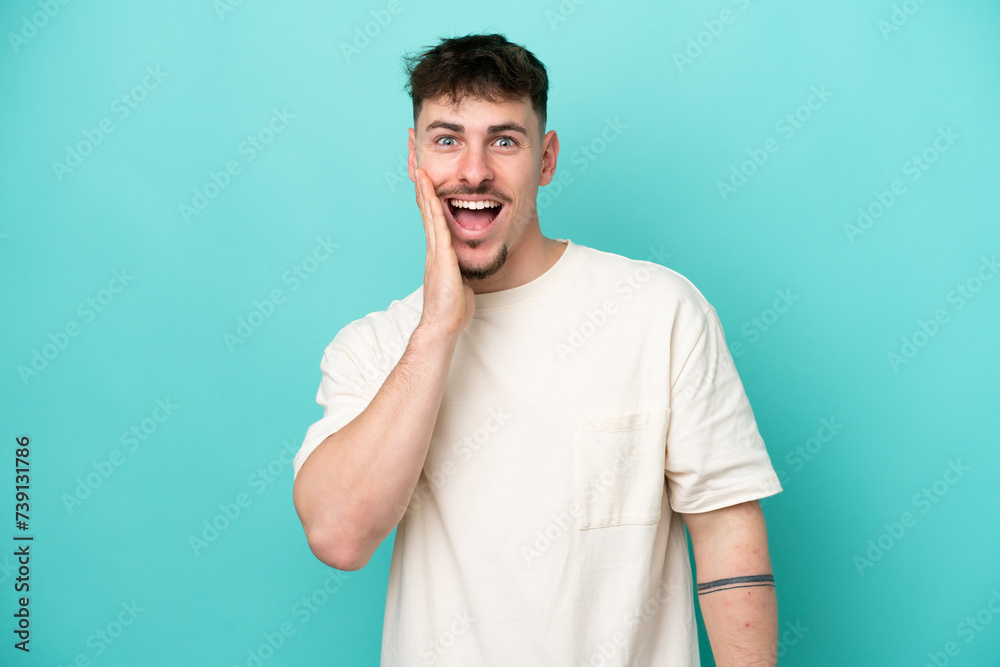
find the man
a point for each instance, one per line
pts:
(511, 418)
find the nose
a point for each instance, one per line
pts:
(474, 166)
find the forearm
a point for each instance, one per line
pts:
(353, 489)
(736, 587)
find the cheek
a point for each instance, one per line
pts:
(440, 171)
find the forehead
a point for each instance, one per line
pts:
(476, 115)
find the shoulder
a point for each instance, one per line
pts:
(381, 329)
(647, 283)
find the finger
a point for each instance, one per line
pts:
(435, 212)
(425, 214)
(440, 223)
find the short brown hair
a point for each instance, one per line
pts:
(487, 67)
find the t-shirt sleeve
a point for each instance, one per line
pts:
(345, 390)
(715, 455)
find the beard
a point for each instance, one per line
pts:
(480, 273)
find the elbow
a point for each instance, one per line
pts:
(337, 552)
(334, 539)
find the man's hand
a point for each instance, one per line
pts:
(448, 299)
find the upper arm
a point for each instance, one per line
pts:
(349, 378)
(715, 456)
(743, 519)
(729, 541)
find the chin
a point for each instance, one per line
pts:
(488, 260)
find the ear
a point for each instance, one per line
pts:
(550, 151)
(411, 161)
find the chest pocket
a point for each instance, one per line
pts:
(618, 463)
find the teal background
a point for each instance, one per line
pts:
(334, 172)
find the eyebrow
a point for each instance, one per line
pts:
(492, 129)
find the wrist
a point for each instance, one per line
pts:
(435, 335)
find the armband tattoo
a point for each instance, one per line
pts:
(736, 582)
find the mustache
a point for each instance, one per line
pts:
(485, 192)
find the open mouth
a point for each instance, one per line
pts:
(473, 216)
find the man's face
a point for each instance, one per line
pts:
(483, 151)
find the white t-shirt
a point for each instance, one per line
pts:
(542, 531)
